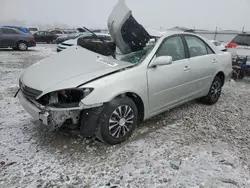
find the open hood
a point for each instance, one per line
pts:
(127, 33)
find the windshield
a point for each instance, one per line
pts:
(139, 56)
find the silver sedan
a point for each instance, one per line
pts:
(106, 97)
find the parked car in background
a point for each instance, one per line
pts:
(58, 32)
(71, 31)
(240, 45)
(22, 29)
(63, 38)
(105, 31)
(33, 29)
(45, 36)
(86, 35)
(219, 45)
(15, 39)
(107, 97)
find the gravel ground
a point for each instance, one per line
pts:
(193, 146)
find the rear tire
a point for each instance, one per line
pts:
(117, 121)
(214, 92)
(22, 46)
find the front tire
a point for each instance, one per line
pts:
(214, 92)
(117, 121)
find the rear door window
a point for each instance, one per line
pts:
(9, 31)
(197, 47)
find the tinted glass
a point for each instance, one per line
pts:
(173, 47)
(33, 29)
(242, 40)
(9, 31)
(196, 46)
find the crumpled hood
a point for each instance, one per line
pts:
(71, 41)
(69, 69)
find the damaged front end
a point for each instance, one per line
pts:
(57, 108)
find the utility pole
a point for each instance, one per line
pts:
(243, 29)
(215, 33)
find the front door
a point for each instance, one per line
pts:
(39, 36)
(169, 84)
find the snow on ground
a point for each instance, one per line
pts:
(193, 146)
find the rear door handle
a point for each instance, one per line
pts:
(187, 68)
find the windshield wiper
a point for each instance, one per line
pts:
(111, 52)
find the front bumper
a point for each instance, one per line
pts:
(33, 110)
(53, 117)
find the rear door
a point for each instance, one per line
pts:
(203, 64)
(47, 37)
(10, 37)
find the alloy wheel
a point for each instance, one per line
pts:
(121, 121)
(216, 90)
(22, 46)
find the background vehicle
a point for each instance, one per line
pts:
(33, 29)
(63, 38)
(241, 67)
(45, 36)
(240, 45)
(58, 32)
(86, 35)
(219, 45)
(15, 39)
(22, 29)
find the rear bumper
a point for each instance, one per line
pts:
(31, 43)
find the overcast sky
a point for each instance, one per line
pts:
(207, 14)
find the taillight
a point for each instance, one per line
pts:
(32, 37)
(231, 45)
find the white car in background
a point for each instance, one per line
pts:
(33, 29)
(219, 45)
(68, 43)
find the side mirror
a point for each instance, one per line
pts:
(162, 60)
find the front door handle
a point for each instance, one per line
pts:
(187, 68)
(214, 61)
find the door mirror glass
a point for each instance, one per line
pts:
(162, 60)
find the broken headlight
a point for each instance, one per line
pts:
(66, 98)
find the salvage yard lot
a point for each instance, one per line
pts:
(190, 146)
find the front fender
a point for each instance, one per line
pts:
(107, 88)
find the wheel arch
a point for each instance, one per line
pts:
(21, 41)
(138, 102)
(221, 75)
